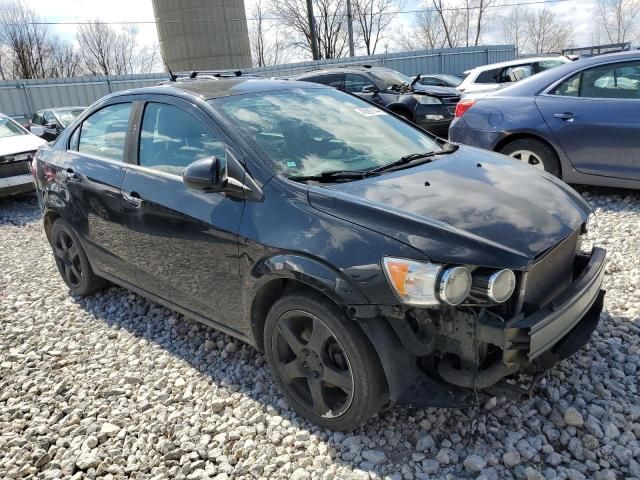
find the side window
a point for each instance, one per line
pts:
(171, 139)
(515, 73)
(103, 133)
(547, 64)
(489, 76)
(431, 81)
(48, 118)
(568, 88)
(331, 79)
(620, 80)
(355, 83)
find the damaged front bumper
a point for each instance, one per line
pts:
(538, 341)
(476, 351)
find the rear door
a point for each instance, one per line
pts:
(91, 171)
(182, 241)
(595, 117)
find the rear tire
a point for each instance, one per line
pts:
(535, 153)
(323, 362)
(72, 262)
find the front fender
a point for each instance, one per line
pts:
(310, 271)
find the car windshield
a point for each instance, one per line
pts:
(310, 131)
(66, 117)
(391, 77)
(9, 128)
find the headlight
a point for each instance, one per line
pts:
(454, 285)
(423, 284)
(427, 100)
(496, 287)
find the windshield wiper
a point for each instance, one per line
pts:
(332, 175)
(404, 160)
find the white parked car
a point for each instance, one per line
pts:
(17, 148)
(492, 77)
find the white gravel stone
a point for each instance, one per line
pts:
(573, 417)
(167, 398)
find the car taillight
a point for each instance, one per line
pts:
(463, 106)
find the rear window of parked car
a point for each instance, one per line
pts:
(620, 80)
(103, 133)
(489, 76)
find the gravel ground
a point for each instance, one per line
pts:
(113, 386)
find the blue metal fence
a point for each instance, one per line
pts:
(20, 98)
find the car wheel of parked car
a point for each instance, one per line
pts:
(323, 362)
(72, 262)
(535, 153)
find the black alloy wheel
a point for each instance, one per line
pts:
(72, 261)
(313, 364)
(67, 258)
(323, 362)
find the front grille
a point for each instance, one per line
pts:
(14, 168)
(552, 273)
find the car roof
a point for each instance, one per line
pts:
(208, 89)
(517, 61)
(536, 83)
(346, 68)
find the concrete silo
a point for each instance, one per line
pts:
(203, 34)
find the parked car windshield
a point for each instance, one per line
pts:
(452, 80)
(9, 128)
(309, 131)
(391, 77)
(66, 117)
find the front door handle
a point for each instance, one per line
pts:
(133, 198)
(69, 174)
(565, 116)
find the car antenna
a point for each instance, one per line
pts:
(172, 76)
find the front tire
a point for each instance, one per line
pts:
(534, 153)
(323, 362)
(72, 262)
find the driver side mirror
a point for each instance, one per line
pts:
(208, 174)
(369, 89)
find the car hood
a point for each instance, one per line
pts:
(19, 144)
(469, 207)
(436, 91)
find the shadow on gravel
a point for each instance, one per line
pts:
(232, 364)
(19, 209)
(402, 434)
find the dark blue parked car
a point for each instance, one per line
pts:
(580, 121)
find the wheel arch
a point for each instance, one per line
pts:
(50, 216)
(286, 272)
(503, 142)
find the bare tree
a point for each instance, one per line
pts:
(25, 40)
(426, 33)
(331, 25)
(267, 47)
(63, 60)
(546, 33)
(106, 51)
(512, 27)
(372, 18)
(620, 19)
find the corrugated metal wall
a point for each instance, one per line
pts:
(20, 98)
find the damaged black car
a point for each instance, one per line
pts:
(374, 263)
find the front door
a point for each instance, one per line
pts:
(595, 117)
(182, 241)
(92, 170)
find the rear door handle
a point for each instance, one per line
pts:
(69, 174)
(565, 116)
(133, 198)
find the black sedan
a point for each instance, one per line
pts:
(49, 123)
(430, 107)
(374, 263)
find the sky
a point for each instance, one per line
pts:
(578, 12)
